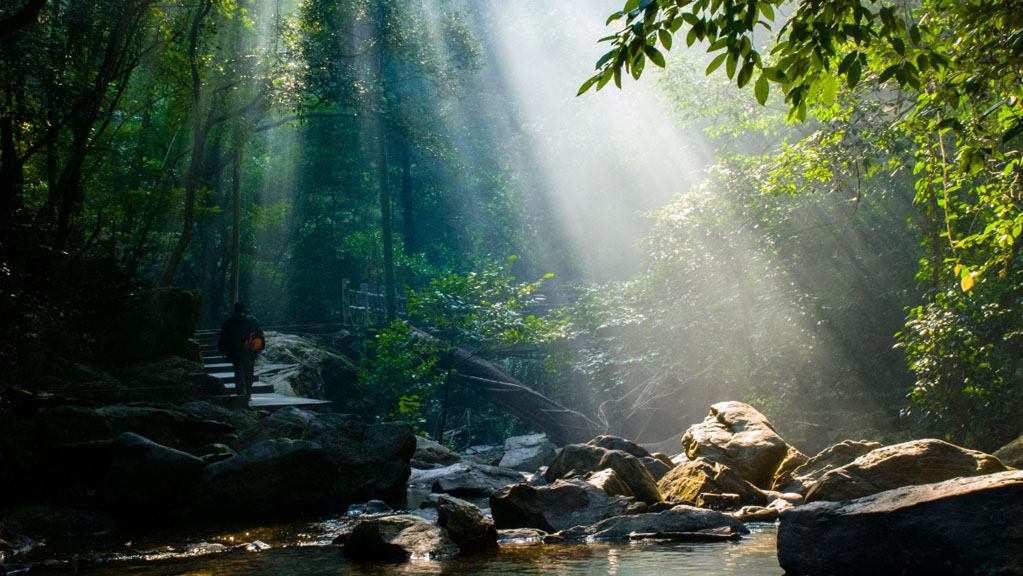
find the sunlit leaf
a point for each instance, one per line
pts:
(967, 282)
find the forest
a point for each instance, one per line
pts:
(627, 212)
(835, 246)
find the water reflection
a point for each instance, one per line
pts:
(306, 552)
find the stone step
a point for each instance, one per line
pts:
(269, 401)
(217, 367)
(257, 388)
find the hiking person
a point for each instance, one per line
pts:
(241, 340)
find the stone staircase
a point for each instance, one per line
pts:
(263, 395)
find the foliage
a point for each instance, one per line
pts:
(482, 311)
(945, 76)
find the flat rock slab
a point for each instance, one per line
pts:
(960, 526)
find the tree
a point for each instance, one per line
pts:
(949, 75)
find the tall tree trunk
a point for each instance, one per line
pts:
(10, 164)
(198, 143)
(236, 193)
(407, 208)
(390, 301)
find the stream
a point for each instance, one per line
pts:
(305, 549)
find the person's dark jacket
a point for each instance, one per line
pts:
(233, 334)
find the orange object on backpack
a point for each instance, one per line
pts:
(255, 342)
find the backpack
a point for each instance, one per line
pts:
(255, 341)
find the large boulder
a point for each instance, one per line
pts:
(398, 539)
(740, 437)
(128, 475)
(467, 525)
(906, 464)
(309, 366)
(1011, 454)
(466, 479)
(960, 526)
(557, 506)
(692, 480)
(585, 459)
(430, 454)
(174, 428)
(678, 519)
(825, 461)
(528, 453)
(152, 324)
(372, 460)
(275, 477)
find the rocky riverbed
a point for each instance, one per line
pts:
(126, 471)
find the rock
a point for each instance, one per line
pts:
(615, 443)
(585, 458)
(173, 428)
(656, 467)
(483, 454)
(527, 453)
(398, 539)
(520, 537)
(828, 459)
(430, 454)
(678, 519)
(560, 505)
(52, 520)
(783, 476)
(466, 524)
(215, 453)
(906, 464)
(726, 501)
(691, 480)
(309, 366)
(287, 423)
(371, 507)
(168, 379)
(153, 324)
(466, 480)
(755, 514)
(1012, 453)
(129, 475)
(608, 481)
(372, 460)
(960, 526)
(740, 437)
(270, 478)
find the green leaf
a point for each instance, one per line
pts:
(914, 34)
(691, 37)
(586, 85)
(762, 89)
(638, 65)
(767, 10)
(888, 73)
(899, 45)
(745, 73)
(844, 66)
(614, 17)
(610, 54)
(853, 77)
(630, 6)
(716, 63)
(730, 63)
(654, 55)
(665, 37)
